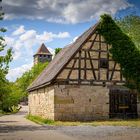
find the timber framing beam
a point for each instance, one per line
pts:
(113, 71)
(92, 66)
(93, 41)
(71, 69)
(96, 69)
(79, 70)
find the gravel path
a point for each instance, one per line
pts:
(16, 127)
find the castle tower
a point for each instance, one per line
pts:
(42, 55)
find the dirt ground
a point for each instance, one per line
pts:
(16, 127)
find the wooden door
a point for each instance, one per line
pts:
(123, 104)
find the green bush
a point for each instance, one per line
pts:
(9, 98)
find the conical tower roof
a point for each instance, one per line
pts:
(43, 50)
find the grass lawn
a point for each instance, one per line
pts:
(131, 123)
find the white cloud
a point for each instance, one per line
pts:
(17, 72)
(75, 38)
(19, 31)
(49, 36)
(23, 44)
(30, 34)
(16, 55)
(9, 41)
(63, 11)
(52, 51)
(62, 35)
(26, 39)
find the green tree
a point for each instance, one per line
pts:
(11, 98)
(131, 26)
(27, 78)
(5, 59)
(57, 50)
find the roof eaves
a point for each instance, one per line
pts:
(38, 87)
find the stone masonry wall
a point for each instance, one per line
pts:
(81, 103)
(41, 102)
(71, 102)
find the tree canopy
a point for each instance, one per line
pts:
(28, 77)
(57, 50)
(131, 26)
(5, 59)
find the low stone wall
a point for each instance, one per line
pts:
(81, 103)
(41, 102)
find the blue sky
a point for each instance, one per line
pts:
(55, 23)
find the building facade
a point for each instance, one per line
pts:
(83, 83)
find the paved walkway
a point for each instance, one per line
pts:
(16, 127)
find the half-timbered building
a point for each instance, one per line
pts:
(82, 82)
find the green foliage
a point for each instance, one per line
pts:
(5, 59)
(15, 109)
(131, 26)
(39, 120)
(27, 78)
(123, 50)
(15, 92)
(57, 50)
(12, 93)
(10, 98)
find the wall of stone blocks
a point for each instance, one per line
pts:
(81, 103)
(71, 102)
(41, 102)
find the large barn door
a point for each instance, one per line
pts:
(123, 104)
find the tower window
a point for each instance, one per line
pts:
(49, 56)
(103, 63)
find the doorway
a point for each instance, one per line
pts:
(123, 104)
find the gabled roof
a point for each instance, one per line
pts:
(43, 50)
(60, 60)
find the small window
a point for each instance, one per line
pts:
(40, 55)
(103, 63)
(44, 55)
(49, 56)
